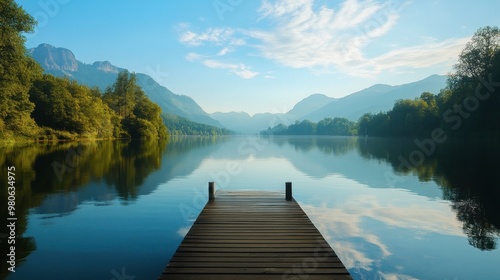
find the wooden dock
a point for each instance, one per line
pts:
(258, 235)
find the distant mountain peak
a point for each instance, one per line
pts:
(309, 104)
(106, 66)
(53, 58)
(379, 88)
(377, 98)
(102, 74)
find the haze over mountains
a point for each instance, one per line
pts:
(62, 62)
(318, 106)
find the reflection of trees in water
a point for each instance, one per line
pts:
(53, 168)
(466, 173)
(481, 233)
(131, 164)
(471, 177)
(328, 145)
(53, 177)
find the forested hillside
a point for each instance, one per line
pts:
(468, 107)
(182, 126)
(39, 106)
(327, 126)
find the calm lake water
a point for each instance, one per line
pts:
(118, 210)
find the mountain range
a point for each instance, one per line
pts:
(62, 62)
(380, 97)
(316, 107)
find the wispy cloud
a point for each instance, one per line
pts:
(223, 51)
(240, 70)
(224, 37)
(218, 36)
(420, 56)
(305, 35)
(345, 221)
(194, 56)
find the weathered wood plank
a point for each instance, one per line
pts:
(238, 259)
(253, 277)
(244, 263)
(254, 235)
(250, 270)
(251, 255)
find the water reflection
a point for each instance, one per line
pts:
(55, 178)
(374, 234)
(465, 171)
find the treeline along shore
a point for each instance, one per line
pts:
(468, 107)
(36, 106)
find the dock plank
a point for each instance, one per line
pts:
(254, 235)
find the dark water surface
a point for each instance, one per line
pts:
(390, 209)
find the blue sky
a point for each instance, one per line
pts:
(264, 56)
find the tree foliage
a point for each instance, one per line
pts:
(140, 117)
(64, 105)
(327, 126)
(469, 107)
(17, 72)
(182, 126)
(479, 56)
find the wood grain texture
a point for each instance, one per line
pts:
(254, 235)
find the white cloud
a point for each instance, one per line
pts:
(240, 70)
(305, 35)
(415, 57)
(419, 56)
(218, 36)
(395, 276)
(193, 56)
(341, 223)
(223, 51)
(183, 231)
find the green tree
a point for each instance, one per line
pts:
(305, 127)
(66, 106)
(123, 94)
(475, 81)
(139, 116)
(418, 117)
(182, 126)
(336, 126)
(17, 72)
(477, 59)
(364, 124)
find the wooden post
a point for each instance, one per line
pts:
(211, 191)
(288, 191)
